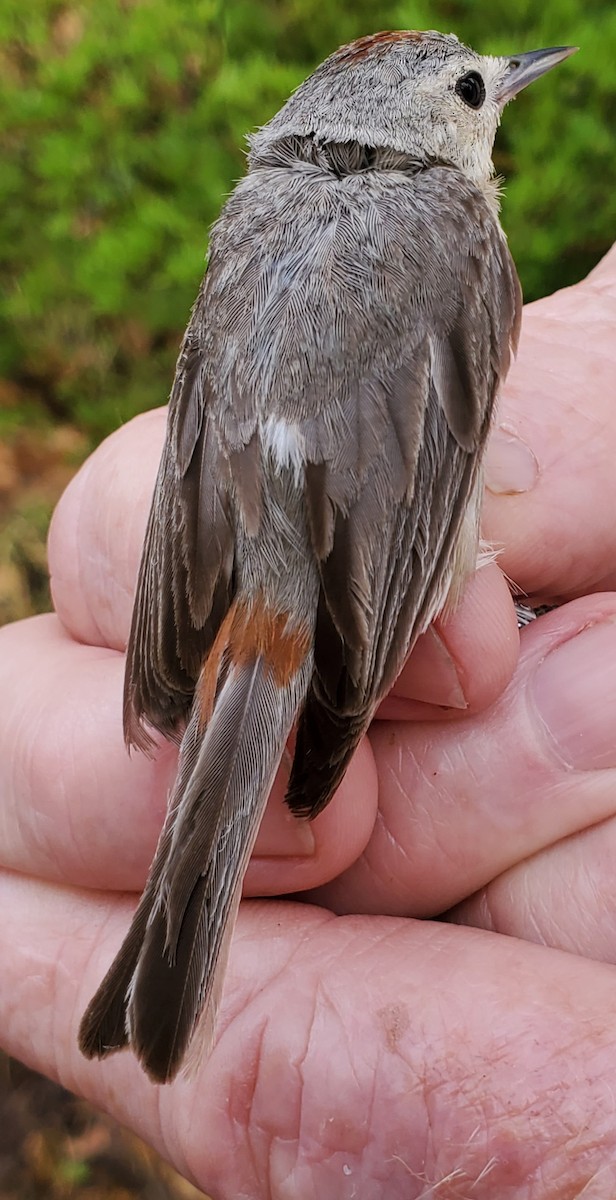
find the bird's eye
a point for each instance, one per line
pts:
(472, 89)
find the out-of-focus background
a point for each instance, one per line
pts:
(122, 128)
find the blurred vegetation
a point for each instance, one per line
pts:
(121, 131)
(55, 1147)
(122, 128)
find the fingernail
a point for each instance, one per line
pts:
(574, 690)
(510, 465)
(431, 674)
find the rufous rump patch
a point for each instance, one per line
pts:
(375, 42)
(252, 630)
(259, 631)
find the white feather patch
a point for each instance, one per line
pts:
(285, 443)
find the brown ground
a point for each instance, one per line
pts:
(55, 1147)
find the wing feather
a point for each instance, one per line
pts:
(373, 316)
(185, 580)
(385, 524)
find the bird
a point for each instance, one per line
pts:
(317, 500)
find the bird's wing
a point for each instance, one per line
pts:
(386, 502)
(185, 579)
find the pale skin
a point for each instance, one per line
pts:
(365, 1055)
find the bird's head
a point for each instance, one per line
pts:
(422, 94)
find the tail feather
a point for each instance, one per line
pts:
(166, 972)
(103, 1026)
(326, 741)
(212, 841)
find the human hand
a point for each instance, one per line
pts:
(370, 1055)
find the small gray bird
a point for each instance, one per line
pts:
(317, 502)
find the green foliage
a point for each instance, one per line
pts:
(121, 131)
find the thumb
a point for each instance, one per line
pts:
(464, 801)
(603, 276)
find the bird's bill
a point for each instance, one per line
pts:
(525, 68)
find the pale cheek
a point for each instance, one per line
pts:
(444, 137)
(478, 165)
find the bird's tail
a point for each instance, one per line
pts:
(164, 979)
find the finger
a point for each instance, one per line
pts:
(551, 485)
(603, 277)
(75, 807)
(340, 1046)
(564, 896)
(464, 661)
(97, 533)
(461, 802)
(94, 549)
